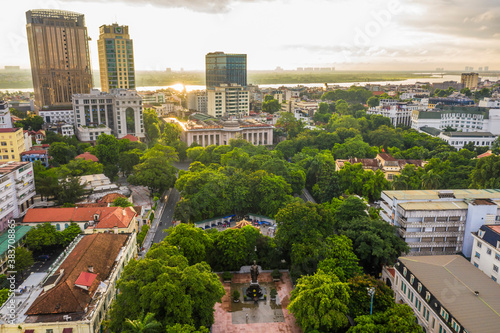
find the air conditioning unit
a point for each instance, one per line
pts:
(66, 317)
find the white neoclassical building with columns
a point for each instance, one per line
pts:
(220, 132)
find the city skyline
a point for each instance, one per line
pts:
(360, 34)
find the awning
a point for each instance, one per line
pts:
(68, 330)
(29, 331)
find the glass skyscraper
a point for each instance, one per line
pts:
(59, 55)
(116, 58)
(224, 68)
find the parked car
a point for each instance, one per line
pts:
(43, 257)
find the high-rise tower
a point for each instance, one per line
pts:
(59, 55)
(116, 57)
(224, 68)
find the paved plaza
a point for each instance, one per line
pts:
(267, 317)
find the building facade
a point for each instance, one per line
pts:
(11, 144)
(228, 100)
(447, 294)
(59, 55)
(459, 139)
(116, 57)
(197, 101)
(222, 68)
(486, 250)
(470, 80)
(36, 155)
(221, 133)
(119, 110)
(57, 116)
(17, 189)
(434, 222)
(464, 119)
(5, 119)
(398, 112)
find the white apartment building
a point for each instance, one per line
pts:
(228, 100)
(489, 102)
(17, 189)
(56, 116)
(5, 119)
(447, 294)
(486, 250)
(397, 112)
(464, 119)
(150, 97)
(91, 133)
(434, 222)
(197, 101)
(459, 139)
(120, 110)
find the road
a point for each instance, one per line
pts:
(167, 216)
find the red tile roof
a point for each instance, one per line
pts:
(109, 198)
(109, 217)
(130, 137)
(378, 93)
(30, 152)
(488, 153)
(85, 279)
(9, 130)
(88, 157)
(97, 250)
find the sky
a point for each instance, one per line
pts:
(345, 34)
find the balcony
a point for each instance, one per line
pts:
(404, 223)
(434, 244)
(431, 253)
(385, 207)
(406, 234)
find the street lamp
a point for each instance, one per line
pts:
(371, 293)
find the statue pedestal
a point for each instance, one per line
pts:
(254, 292)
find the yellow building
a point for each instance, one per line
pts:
(116, 57)
(11, 144)
(470, 80)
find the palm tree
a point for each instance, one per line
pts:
(145, 325)
(431, 180)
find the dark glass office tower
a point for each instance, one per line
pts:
(224, 68)
(59, 55)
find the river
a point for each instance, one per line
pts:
(180, 86)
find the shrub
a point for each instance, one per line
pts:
(227, 276)
(236, 295)
(274, 293)
(276, 274)
(142, 235)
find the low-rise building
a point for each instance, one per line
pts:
(434, 222)
(486, 250)
(11, 144)
(77, 294)
(465, 119)
(218, 133)
(89, 219)
(197, 101)
(459, 139)
(398, 112)
(97, 183)
(36, 155)
(5, 117)
(57, 116)
(152, 97)
(17, 189)
(90, 133)
(447, 294)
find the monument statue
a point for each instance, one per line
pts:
(254, 272)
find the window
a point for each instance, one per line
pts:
(494, 278)
(444, 314)
(488, 251)
(475, 264)
(455, 325)
(412, 278)
(441, 329)
(479, 244)
(405, 271)
(49, 331)
(497, 257)
(495, 268)
(419, 288)
(477, 255)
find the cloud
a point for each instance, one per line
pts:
(204, 6)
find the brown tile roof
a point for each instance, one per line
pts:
(85, 279)
(88, 157)
(130, 137)
(91, 204)
(109, 198)
(9, 130)
(97, 250)
(109, 217)
(488, 153)
(386, 157)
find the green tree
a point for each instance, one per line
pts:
(359, 301)
(148, 324)
(271, 105)
(151, 125)
(486, 174)
(372, 101)
(290, 124)
(31, 123)
(320, 302)
(46, 182)
(121, 202)
(69, 190)
(142, 234)
(155, 173)
(69, 234)
(128, 160)
(164, 284)
(79, 167)
(107, 149)
(399, 318)
(24, 259)
(42, 236)
(192, 242)
(178, 328)
(4, 295)
(61, 153)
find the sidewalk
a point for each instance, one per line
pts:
(148, 240)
